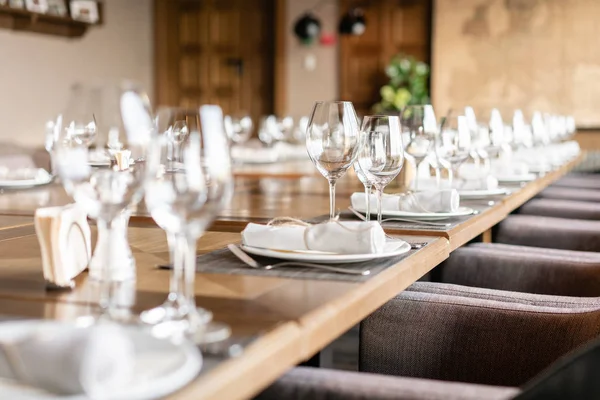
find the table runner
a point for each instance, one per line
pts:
(224, 262)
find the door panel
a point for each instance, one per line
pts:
(221, 53)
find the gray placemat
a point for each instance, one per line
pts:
(224, 262)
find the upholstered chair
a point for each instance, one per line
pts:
(441, 341)
(549, 232)
(523, 269)
(559, 208)
(579, 180)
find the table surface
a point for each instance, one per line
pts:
(288, 319)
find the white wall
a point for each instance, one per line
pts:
(37, 70)
(305, 87)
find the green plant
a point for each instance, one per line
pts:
(407, 86)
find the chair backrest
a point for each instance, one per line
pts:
(476, 340)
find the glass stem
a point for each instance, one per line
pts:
(331, 199)
(379, 196)
(107, 300)
(186, 250)
(176, 284)
(368, 197)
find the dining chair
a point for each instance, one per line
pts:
(579, 180)
(560, 208)
(570, 193)
(523, 269)
(549, 232)
(440, 341)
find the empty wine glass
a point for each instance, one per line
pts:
(333, 141)
(238, 128)
(368, 188)
(382, 155)
(420, 127)
(116, 113)
(184, 202)
(268, 132)
(454, 143)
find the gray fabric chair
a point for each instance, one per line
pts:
(562, 209)
(579, 180)
(438, 337)
(305, 383)
(570, 193)
(474, 335)
(524, 269)
(548, 232)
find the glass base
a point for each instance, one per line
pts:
(174, 311)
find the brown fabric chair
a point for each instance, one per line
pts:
(579, 180)
(440, 336)
(473, 335)
(570, 193)
(304, 383)
(562, 209)
(556, 233)
(524, 269)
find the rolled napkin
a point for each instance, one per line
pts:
(348, 237)
(486, 183)
(66, 360)
(25, 174)
(65, 240)
(446, 200)
(513, 168)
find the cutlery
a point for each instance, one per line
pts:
(239, 253)
(359, 215)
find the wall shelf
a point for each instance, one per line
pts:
(27, 21)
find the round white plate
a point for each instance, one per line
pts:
(392, 248)
(516, 178)
(161, 367)
(461, 212)
(481, 194)
(24, 183)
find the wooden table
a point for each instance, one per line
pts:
(291, 319)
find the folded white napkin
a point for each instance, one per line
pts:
(65, 241)
(447, 200)
(66, 360)
(512, 168)
(22, 174)
(486, 183)
(246, 154)
(348, 237)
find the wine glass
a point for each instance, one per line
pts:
(121, 120)
(382, 156)
(184, 202)
(333, 141)
(268, 132)
(420, 128)
(453, 144)
(362, 177)
(238, 128)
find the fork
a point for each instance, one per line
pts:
(359, 215)
(252, 263)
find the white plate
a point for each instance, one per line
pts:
(481, 194)
(461, 212)
(516, 178)
(161, 367)
(391, 249)
(24, 183)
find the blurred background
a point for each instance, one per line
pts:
(263, 57)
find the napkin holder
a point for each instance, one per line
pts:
(64, 236)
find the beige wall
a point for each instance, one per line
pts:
(37, 70)
(303, 86)
(531, 54)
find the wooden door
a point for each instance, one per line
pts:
(215, 52)
(393, 26)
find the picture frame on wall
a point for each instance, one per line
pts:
(16, 3)
(37, 6)
(85, 10)
(57, 7)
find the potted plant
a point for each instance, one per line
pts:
(408, 84)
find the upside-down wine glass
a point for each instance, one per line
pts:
(453, 144)
(382, 155)
(121, 120)
(183, 202)
(421, 126)
(333, 141)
